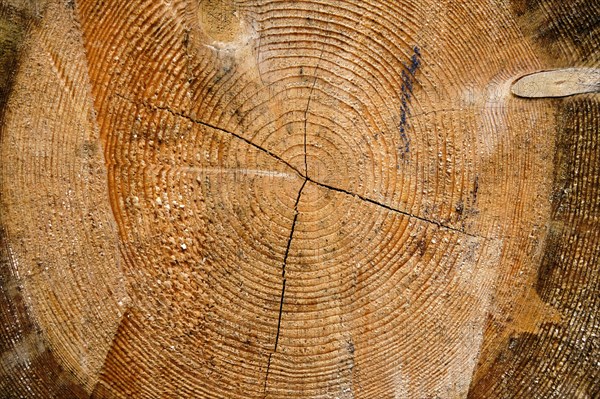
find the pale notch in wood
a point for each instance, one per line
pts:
(558, 83)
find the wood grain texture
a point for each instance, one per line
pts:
(297, 199)
(63, 290)
(558, 83)
(561, 360)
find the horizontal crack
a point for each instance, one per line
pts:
(302, 175)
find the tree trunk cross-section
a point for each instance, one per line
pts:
(299, 199)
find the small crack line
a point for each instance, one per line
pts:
(307, 108)
(280, 314)
(267, 376)
(260, 77)
(382, 205)
(282, 298)
(306, 177)
(209, 125)
(249, 142)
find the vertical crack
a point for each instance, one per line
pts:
(282, 298)
(306, 110)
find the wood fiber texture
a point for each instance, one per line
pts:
(297, 199)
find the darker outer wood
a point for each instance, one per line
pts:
(15, 25)
(39, 374)
(562, 360)
(554, 25)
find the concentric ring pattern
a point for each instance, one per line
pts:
(313, 198)
(308, 204)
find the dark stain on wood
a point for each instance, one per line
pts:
(29, 367)
(408, 78)
(14, 25)
(561, 360)
(562, 30)
(567, 354)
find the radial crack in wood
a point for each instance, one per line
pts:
(305, 176)
(281, 302)
(298, 199)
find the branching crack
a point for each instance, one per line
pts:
(285, 258)
(312, 89)
(304, 176)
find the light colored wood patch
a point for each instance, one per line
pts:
(558, 83)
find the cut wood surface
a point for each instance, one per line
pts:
(558, 83)
(298, 199)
